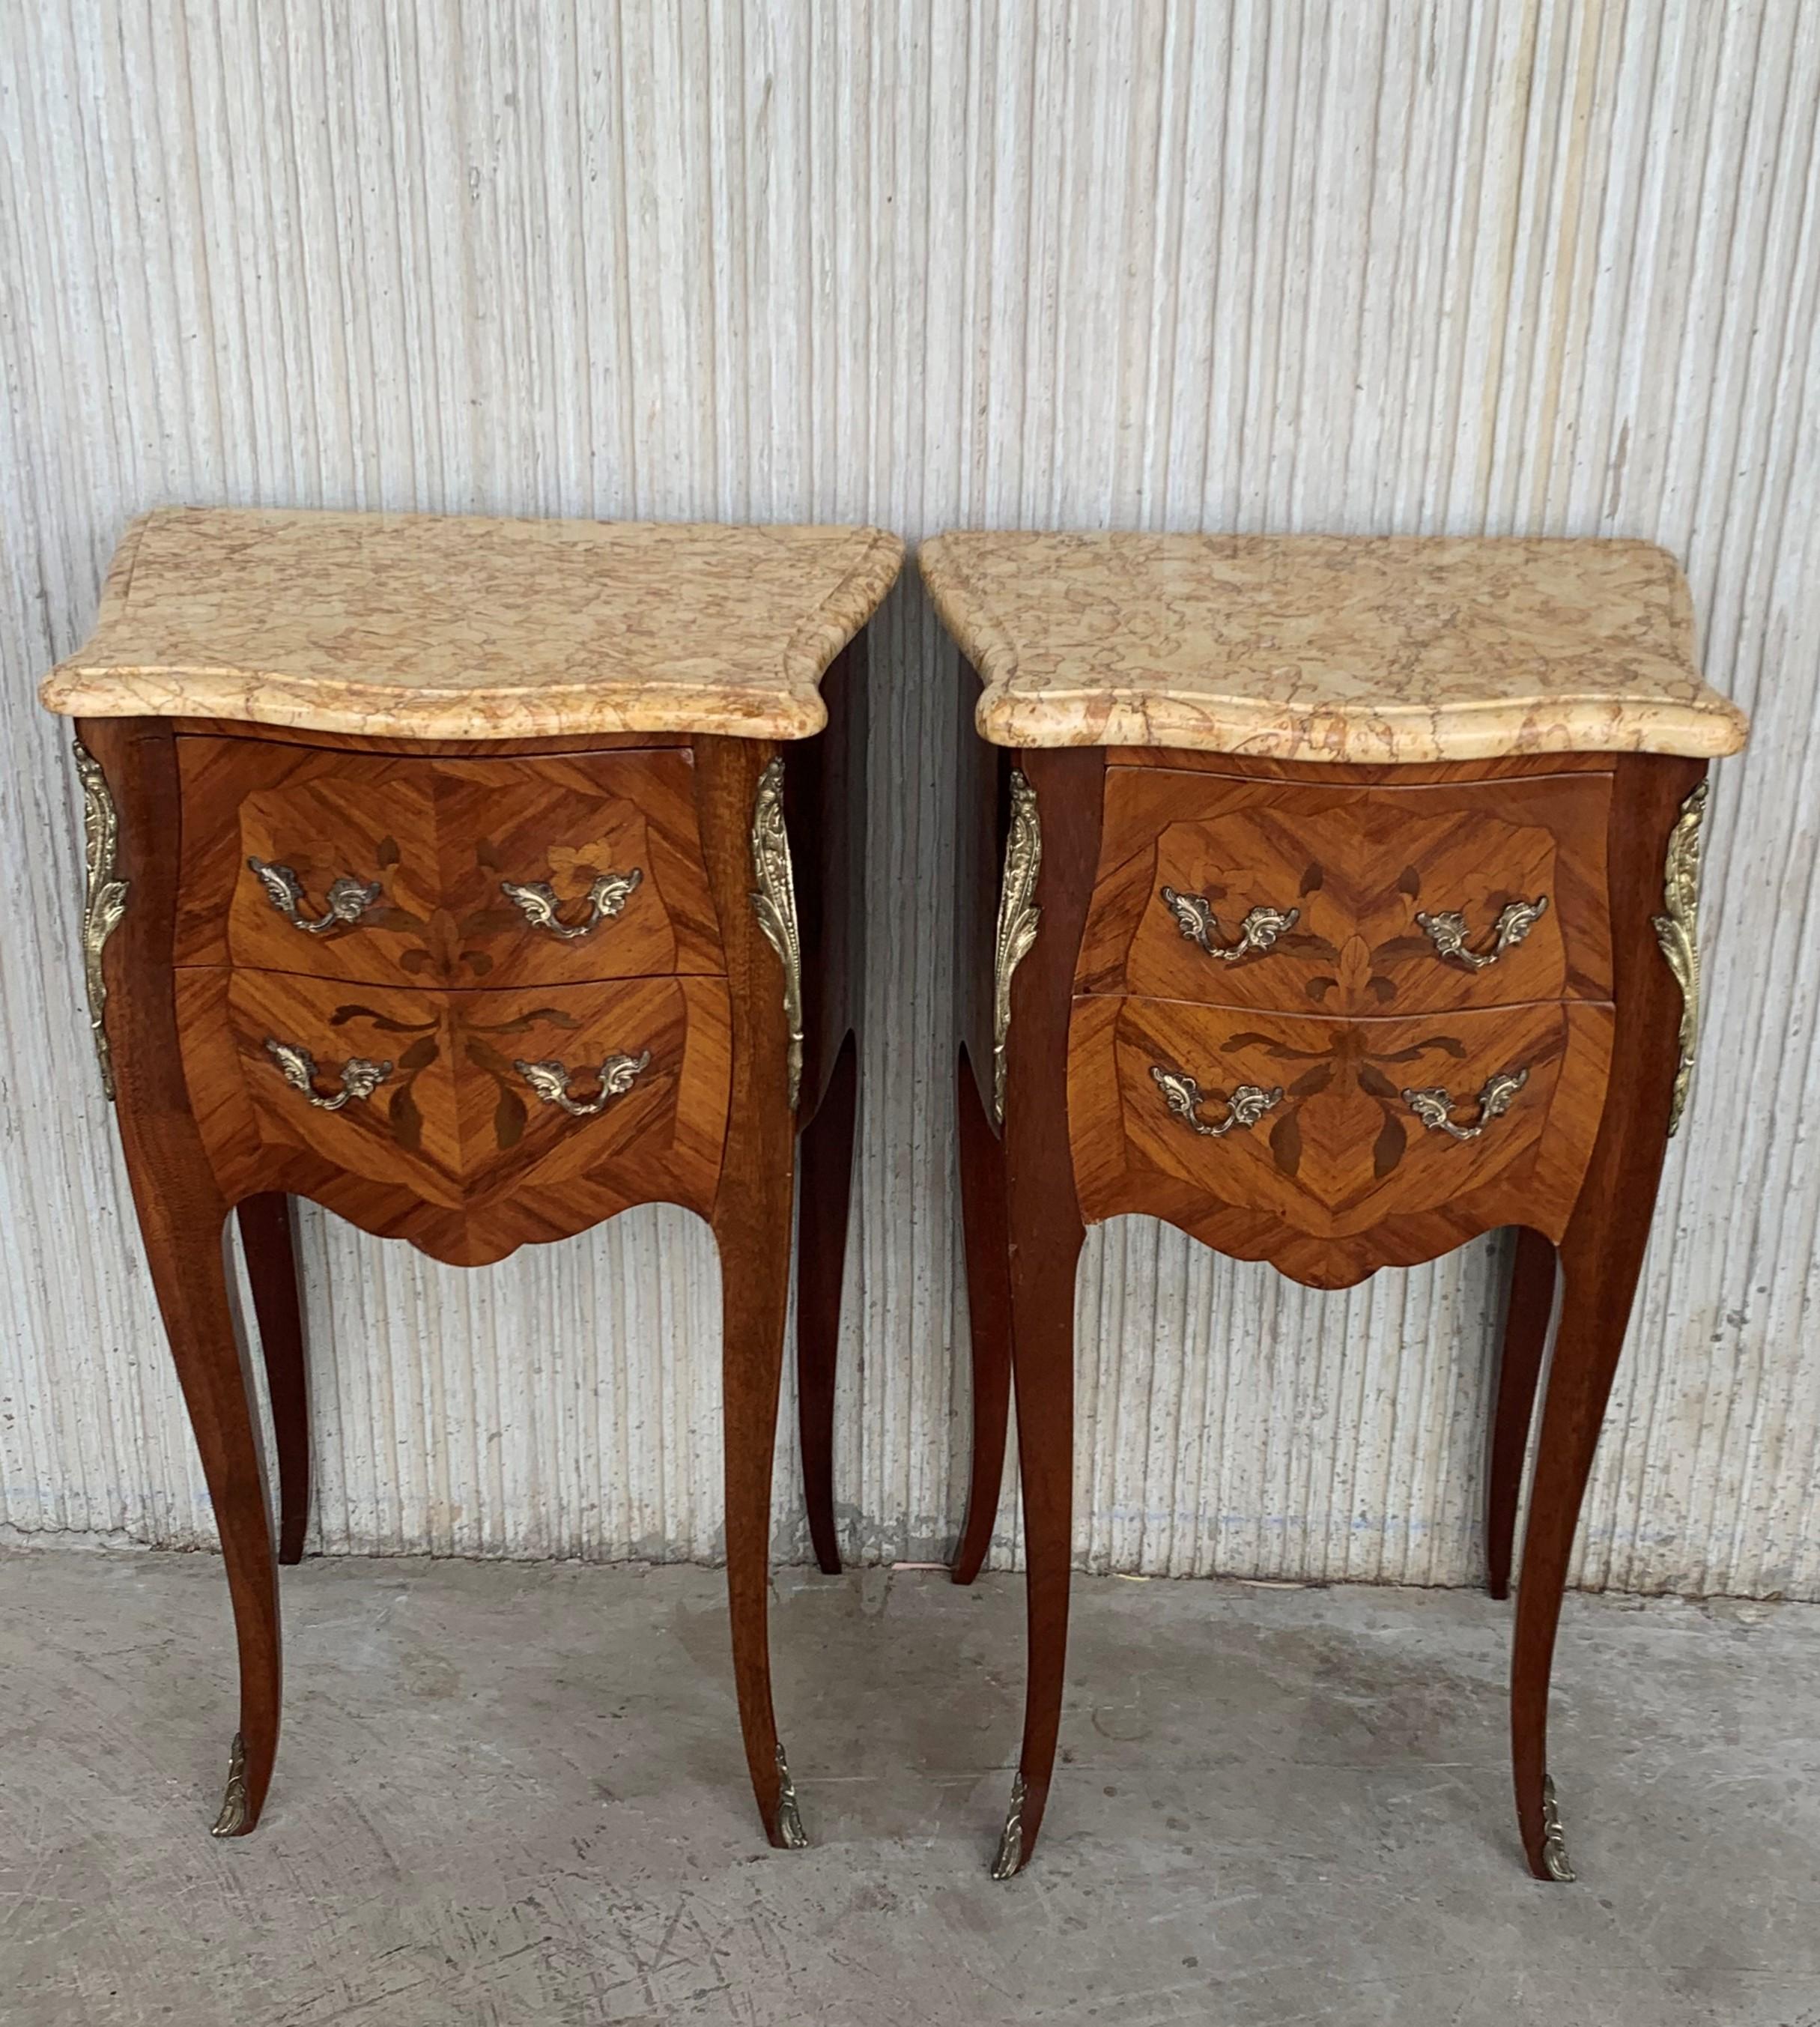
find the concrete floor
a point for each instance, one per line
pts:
(513, 1794)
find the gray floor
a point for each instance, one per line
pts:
(514, 1794)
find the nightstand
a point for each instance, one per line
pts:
(1334, 900)
(478, 880)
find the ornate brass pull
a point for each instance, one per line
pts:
(1195, 918)
(551, 1081)
(359, 1078)
(348, 899)
(1247, 1104)
(537, 900)
(1434, 1107)
(1448, 932)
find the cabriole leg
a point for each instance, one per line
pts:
(182, 1216)
(738, 798)
(1601, 1256)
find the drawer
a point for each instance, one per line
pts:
(429, 852)
(1333, 1148)
(1372, 901)
(468, 1122)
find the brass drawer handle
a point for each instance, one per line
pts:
(359, 1078)
(1195, 918)
(348, 899)
(1247, 1104)
(1433, 1107)
(1448, 932)
(551, 1081)
(536, 901)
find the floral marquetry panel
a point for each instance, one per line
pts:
(458, 1143)
(1332, 1170)
(1380, 900)
(471, 873)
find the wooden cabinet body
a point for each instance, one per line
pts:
(477, 996)
(477, 879)
(1349, 1007)
(1335, 1017)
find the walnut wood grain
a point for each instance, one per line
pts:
(1340, 1177)
(1358, 866)
(440, 837)
(182, 1213)
(455, 1151)
(1601, 1253)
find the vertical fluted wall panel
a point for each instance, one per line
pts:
(1527, 265)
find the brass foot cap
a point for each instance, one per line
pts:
(790, 1829)
(1554, 1844)
(1009, 1858)
(232, 1819)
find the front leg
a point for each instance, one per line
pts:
(1601, 1256)
(183, 1214)
(751, 1225)
(1045, 1233)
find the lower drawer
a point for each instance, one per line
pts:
(469, 1123)
(1333, 1147)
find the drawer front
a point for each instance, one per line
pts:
(1371, 901)
(1334, 1147)
(451, 873)
(469, 1123)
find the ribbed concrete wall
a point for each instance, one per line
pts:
(1364, 267)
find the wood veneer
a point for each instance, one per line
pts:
(1358, 865)
(454, 1149)
(440, 836)
(1338, 1178)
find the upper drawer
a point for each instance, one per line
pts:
(447, 867)
(1348, 899)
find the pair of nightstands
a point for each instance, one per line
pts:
(1332, 899)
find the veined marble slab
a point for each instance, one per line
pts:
(434, 627)
(1328, 647)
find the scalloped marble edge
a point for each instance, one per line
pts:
(75, 689)
(1109, 714)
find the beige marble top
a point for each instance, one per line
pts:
(431, 626)
(1328, 648)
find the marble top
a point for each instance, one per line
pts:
(432, 626)
(1329, 647)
